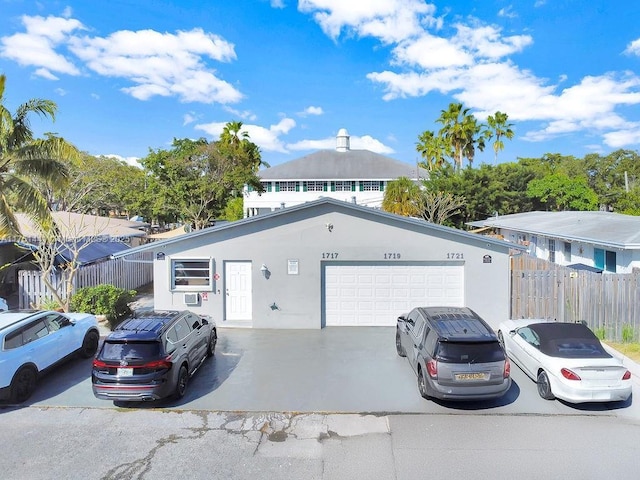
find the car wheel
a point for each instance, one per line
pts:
(89, 345)
(183, 381)
(500, 338)
(23, 384)
(399, 348)
(544, 387)
(211, 347)
(422, 384)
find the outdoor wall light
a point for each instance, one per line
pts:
(329, 226)
(265, 271)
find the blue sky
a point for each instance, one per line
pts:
(129, 76)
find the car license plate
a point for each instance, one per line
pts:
(471, 376)
(125, 372)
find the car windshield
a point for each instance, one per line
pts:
(467, 352)
(117, 351)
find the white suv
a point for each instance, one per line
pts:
(33, 341)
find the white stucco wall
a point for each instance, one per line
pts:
(356, 236)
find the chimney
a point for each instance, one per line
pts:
(342, 140)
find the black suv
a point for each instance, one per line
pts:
(454, 352)
(152, 356)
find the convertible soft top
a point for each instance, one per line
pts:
(568, 340)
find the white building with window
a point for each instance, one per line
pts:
(603, 241)
(357, 176)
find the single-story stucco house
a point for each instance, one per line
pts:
(600, 241)
(328, 263)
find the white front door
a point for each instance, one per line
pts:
(237, 278)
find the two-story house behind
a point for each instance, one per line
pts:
(604, 241)
(358, 176)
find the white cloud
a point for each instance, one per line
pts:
(267, 139)
(37, 47)
(473, 65)
(633, 48)
(365, 142)
(311, 110)
(61, 91)
(243, 114)
(623, 138)
(507, 12)
(188, 118)
(277, 3)
(163, 64)
(388, 20)
(44, 73)
(156, 64)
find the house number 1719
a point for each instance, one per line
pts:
(392, 256)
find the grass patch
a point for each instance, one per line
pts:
(631, 350)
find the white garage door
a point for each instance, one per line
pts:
(376, 295)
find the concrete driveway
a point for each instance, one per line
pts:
(338, 369)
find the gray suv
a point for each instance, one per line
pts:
(152, 356)
(455, 353)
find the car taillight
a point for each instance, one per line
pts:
(507, 368)
(569, 375)
(99, 364)
(165, 363)
(432, 368)
(627, 375)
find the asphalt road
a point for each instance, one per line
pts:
(323, 404)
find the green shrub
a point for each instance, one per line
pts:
(627, 334)
(600, 332)
(108, 300)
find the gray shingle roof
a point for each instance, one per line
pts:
(603, 228)
(349, 165)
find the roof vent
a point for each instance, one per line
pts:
(342, 140)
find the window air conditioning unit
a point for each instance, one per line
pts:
(191, 298)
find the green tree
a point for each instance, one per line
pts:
(233, 210)
(558, 192)
(499, 128)
(196, 178)
(433, 149)
(462, 132)
(402, 197)
(24, 158)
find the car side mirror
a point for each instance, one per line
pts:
(402, 319)
(205, 321)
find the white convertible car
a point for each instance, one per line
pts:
(566, 360)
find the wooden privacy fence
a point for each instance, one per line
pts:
(135, 271)
(608, 303)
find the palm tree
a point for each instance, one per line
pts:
(232, 133)
(433, 149)
(460, 128)
(500, 128)
(402, 197)
(23, 157)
